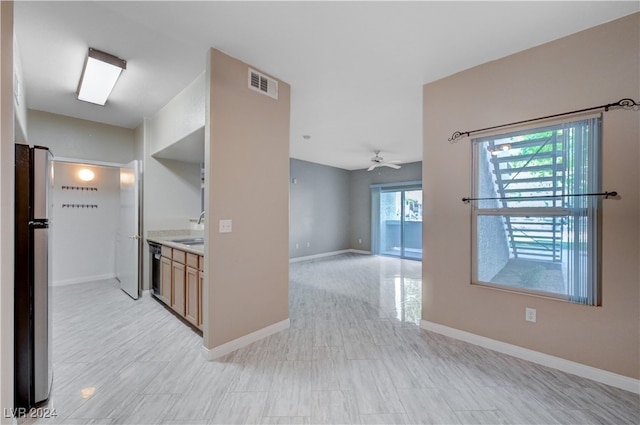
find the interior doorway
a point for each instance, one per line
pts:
(96, 223)
(397, 220)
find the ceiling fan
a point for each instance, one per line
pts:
(379, 161)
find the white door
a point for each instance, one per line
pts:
(129, 239)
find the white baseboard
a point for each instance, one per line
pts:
(327, 254)
(579, 369)
(83, 279)
(231, 346)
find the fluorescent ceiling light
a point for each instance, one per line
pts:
(99, 75)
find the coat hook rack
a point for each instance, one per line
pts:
(79, 205)
(82, 188)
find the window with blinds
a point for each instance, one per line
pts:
(536, 222)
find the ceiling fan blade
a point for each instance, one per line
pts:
(387, 164)
(372, 167)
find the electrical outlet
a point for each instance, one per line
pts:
(297, 246)
(360, 241)
(308, 244)
(225, 226)
(530, 314)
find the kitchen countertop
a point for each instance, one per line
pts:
(164, 237)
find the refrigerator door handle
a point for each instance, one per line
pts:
(39, 224)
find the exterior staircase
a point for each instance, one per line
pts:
(538, 173)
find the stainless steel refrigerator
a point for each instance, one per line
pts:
(33, 360)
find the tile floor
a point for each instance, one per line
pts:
(353, 354)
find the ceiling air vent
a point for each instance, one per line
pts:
(263, 84)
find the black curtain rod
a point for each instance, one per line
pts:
(622, 103)
(606, 195)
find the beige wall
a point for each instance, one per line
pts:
(247, 181)
(591, 68)
(7, 154)
(80, 139)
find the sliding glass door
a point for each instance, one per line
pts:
(397, 221)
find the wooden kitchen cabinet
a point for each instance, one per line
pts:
(192, 290)
(181, 283)
(200, 291)
(165, 280)
(178, 287)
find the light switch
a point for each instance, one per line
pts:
(225, 226)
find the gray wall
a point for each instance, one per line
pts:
(319, 203)
(360, 206)
(330, 208)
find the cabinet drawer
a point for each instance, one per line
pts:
(179, 256)
(166, 251)
(200, 262)
(192, 260)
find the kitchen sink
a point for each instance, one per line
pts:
(189, 241)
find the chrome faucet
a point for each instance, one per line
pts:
(201, 217)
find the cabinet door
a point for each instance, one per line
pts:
(177, 287)
(200, 296)
(191, 307)
(165, 280)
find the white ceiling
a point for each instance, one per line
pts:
(356, 68)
